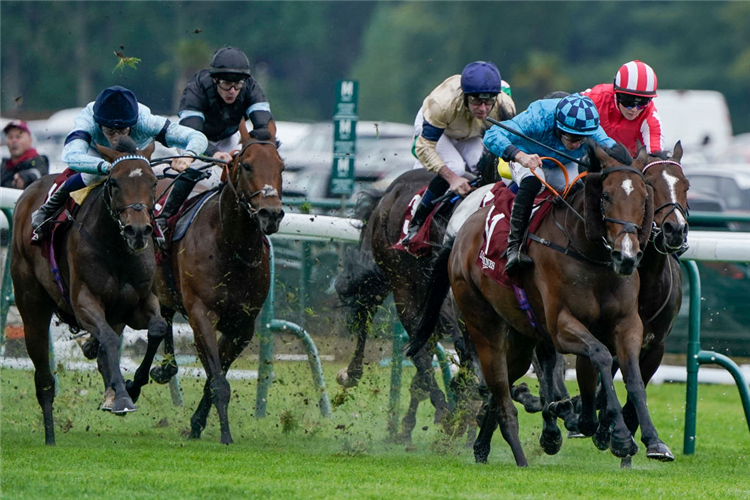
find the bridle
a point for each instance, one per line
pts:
(672, 205)
(242, 199)
(115, 214)
(627, 227)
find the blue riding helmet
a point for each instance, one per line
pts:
(116, 107)
(577, 115)
(481, 77)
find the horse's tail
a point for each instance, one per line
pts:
(437, 291)
(362, 283)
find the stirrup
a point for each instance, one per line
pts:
(410, 234)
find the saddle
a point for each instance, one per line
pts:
(178, 224)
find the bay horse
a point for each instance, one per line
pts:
(106, 270)
(375, 269)
(586, 299)
(659, 298)
(218, 274)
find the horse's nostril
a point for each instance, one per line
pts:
(128, 231)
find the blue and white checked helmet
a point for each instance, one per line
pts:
(577, 115)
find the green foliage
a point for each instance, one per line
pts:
(126, 62)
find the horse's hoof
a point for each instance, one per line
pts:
(626, 463)
(344, 380)
(134, 391)
(90, 348)
(551, 442)
(109, 399)
(575, 435)
(602, 438)
(123, 405)
(481, 454)
(659, 451)
(163, 374)
(227, 440)
(587, 429)
(622, 449)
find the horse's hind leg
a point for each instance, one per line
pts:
(359, 320)
(36, 335)
(163, 373)
(550, 439)
(487, 426)
(424, 382)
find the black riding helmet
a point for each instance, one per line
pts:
(229, 63)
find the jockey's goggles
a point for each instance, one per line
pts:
(478, 100)
(572, 138)
(632, 101)
(227, 85)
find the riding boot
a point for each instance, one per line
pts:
(41, 216)
(183, 185)
(519, 219)
(435, 189)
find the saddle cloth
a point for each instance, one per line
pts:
(420, 244)
(492, 258)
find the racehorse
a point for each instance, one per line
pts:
(218, 274)
(106, 269)
(586, 300)
(659, 299)
(375, 269)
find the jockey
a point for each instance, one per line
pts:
(214, 101)
(626, 110)
(449, 129)
(115, 113)
(562, 124)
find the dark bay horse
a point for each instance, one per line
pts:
(659, 298)
(219, 272)
(374, 270)
(106, 267)
(586, 300)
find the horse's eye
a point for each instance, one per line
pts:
(606, 197)
(247, 167)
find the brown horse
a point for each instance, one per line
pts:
(218, 274)
(586, 300)
(375, 269)
(659, 299)
(106, 267)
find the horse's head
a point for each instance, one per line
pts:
(665, 175)
(129, 191)
(255, 176)
(618, 205)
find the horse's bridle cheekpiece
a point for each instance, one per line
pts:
(108, 199)
(265, 191)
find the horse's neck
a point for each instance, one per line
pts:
(653, 267)
(238, 228)
(573, 229)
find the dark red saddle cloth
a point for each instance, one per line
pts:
(420, 244)
(492, 259)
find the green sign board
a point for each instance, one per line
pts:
(344, 138)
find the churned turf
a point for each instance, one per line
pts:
(296, 453)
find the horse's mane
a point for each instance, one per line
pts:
(487, 167)
(620, 153)
(367, 200)
(126, 145)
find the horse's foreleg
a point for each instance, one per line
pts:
(628, 337)
(487, 425)
(157, 329)
(551, 438)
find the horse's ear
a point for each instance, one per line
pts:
(592, 207)
(244, 134)
(108, 154)
(592, 152)
(677, 154)
(641, 160)
(648, 219)
(149, 150)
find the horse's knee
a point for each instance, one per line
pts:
(157, 327)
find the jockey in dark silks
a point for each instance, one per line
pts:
(115, 113)
(562, 124)
(449, 129)
(215, 101)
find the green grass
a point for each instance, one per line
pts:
(295, 453)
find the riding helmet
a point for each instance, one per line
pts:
(636, 78)
(229, 63)
(577, 115)
(481, 77)
(116, 107)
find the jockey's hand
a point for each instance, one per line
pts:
(529, 161)
(180, 164)
(221, 155)
(460, 186)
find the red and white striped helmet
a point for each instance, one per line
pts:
(636, 78)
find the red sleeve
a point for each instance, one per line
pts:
(650, 133)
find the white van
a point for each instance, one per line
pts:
(698, 118)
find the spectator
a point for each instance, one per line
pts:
(25, 165)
